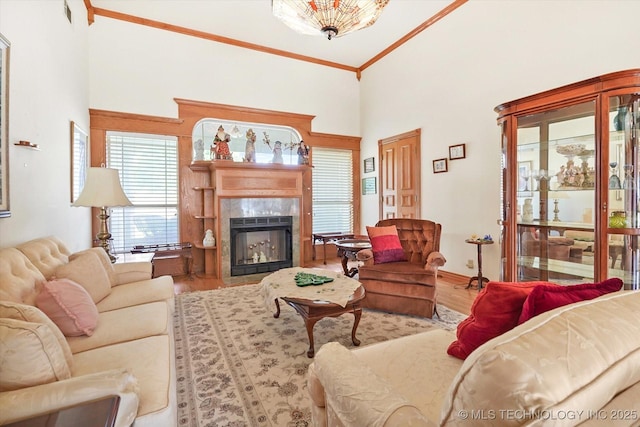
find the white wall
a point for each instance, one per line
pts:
(448, 80)
(48, 88)
(139, 69)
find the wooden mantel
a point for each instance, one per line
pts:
(228, 179)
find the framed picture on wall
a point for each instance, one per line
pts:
(369, 165)
(457, 152)
(369, 186)
(79, 159)
(440, 165)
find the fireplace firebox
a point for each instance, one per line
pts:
(260, 244)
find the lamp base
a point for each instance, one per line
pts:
(103, 235)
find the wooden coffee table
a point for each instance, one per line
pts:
(314, 310)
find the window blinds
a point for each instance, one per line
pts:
(148, 166)
(332, 190)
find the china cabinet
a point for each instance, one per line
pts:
(572, 154)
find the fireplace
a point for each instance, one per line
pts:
(260, 244)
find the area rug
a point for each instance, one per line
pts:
(237, 365)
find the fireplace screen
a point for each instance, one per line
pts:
(260, 244)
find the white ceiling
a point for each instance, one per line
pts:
(251, 21)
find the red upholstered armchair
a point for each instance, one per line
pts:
(407, 287)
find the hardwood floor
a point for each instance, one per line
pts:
(451, 289)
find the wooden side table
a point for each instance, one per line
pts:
(348, 249)
(479, 278)
(327, 237)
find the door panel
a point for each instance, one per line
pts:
(400, 176)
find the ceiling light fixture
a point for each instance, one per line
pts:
(333, 18)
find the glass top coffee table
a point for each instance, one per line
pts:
(347, 249)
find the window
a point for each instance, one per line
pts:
(332, 190)
(148, 166)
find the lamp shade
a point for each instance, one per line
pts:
(102, 189)
(333, 18)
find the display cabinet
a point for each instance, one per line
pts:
(570, 182)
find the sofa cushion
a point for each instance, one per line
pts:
(69, 306)
(126, 324)
(87, 271)
(46, 253)
(20, 280)
(385, 244)
(30, 354)
(148, 359)
(495, 310)
(141, 292)
(29, 313)
(571, 359)
(104, 260)
(547, 297)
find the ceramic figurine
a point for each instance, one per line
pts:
(250, 147)
(277, 152)
(263, 257)
(303, 154)
(198, 147)
(208, 240)
(527, 211)
(221, 144)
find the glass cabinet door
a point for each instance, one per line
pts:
(555, 194)
(623, 179)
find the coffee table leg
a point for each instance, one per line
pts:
(277, 313)
(310, 323)
(357, 313)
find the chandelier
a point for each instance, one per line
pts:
(333, 18)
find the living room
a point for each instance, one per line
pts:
(446, 82)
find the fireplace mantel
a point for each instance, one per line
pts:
(236, 180)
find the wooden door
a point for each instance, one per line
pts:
(400, 175)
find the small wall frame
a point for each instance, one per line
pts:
(369, 186)
(369, 165)
(440, 165)
(457, 151)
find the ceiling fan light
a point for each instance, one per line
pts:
(332, 18)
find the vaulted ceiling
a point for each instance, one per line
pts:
(250, 24)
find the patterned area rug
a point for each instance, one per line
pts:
(237, 365)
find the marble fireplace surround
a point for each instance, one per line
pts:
(256, 207)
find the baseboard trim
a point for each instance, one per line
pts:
(453, 277)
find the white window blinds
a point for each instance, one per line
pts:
(148, 166)
(332, 190)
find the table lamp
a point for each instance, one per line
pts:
(102, 190)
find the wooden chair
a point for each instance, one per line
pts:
(405, 287)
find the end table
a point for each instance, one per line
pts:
(479, 278)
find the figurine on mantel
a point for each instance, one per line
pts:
(198, 147)
(250, 147)
(303, 153)
(277, 153)
(220, 145)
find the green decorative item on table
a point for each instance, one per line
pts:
(617, 219)
(307, 279)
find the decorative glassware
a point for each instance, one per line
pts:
(535, 174)
(614, 180)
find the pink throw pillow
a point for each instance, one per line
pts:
(545, 297)
(69, 306)
(495, 311)
(385, 244)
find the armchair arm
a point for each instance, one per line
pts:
(357, 395)
(128, 272)
(365, 256)
(434, 260)
(37, 400)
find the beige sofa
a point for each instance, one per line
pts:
(130, 352)
(575, 365)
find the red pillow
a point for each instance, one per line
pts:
(495, 311)
(385, 244)
(544, 297)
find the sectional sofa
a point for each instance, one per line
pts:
(60, 347)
